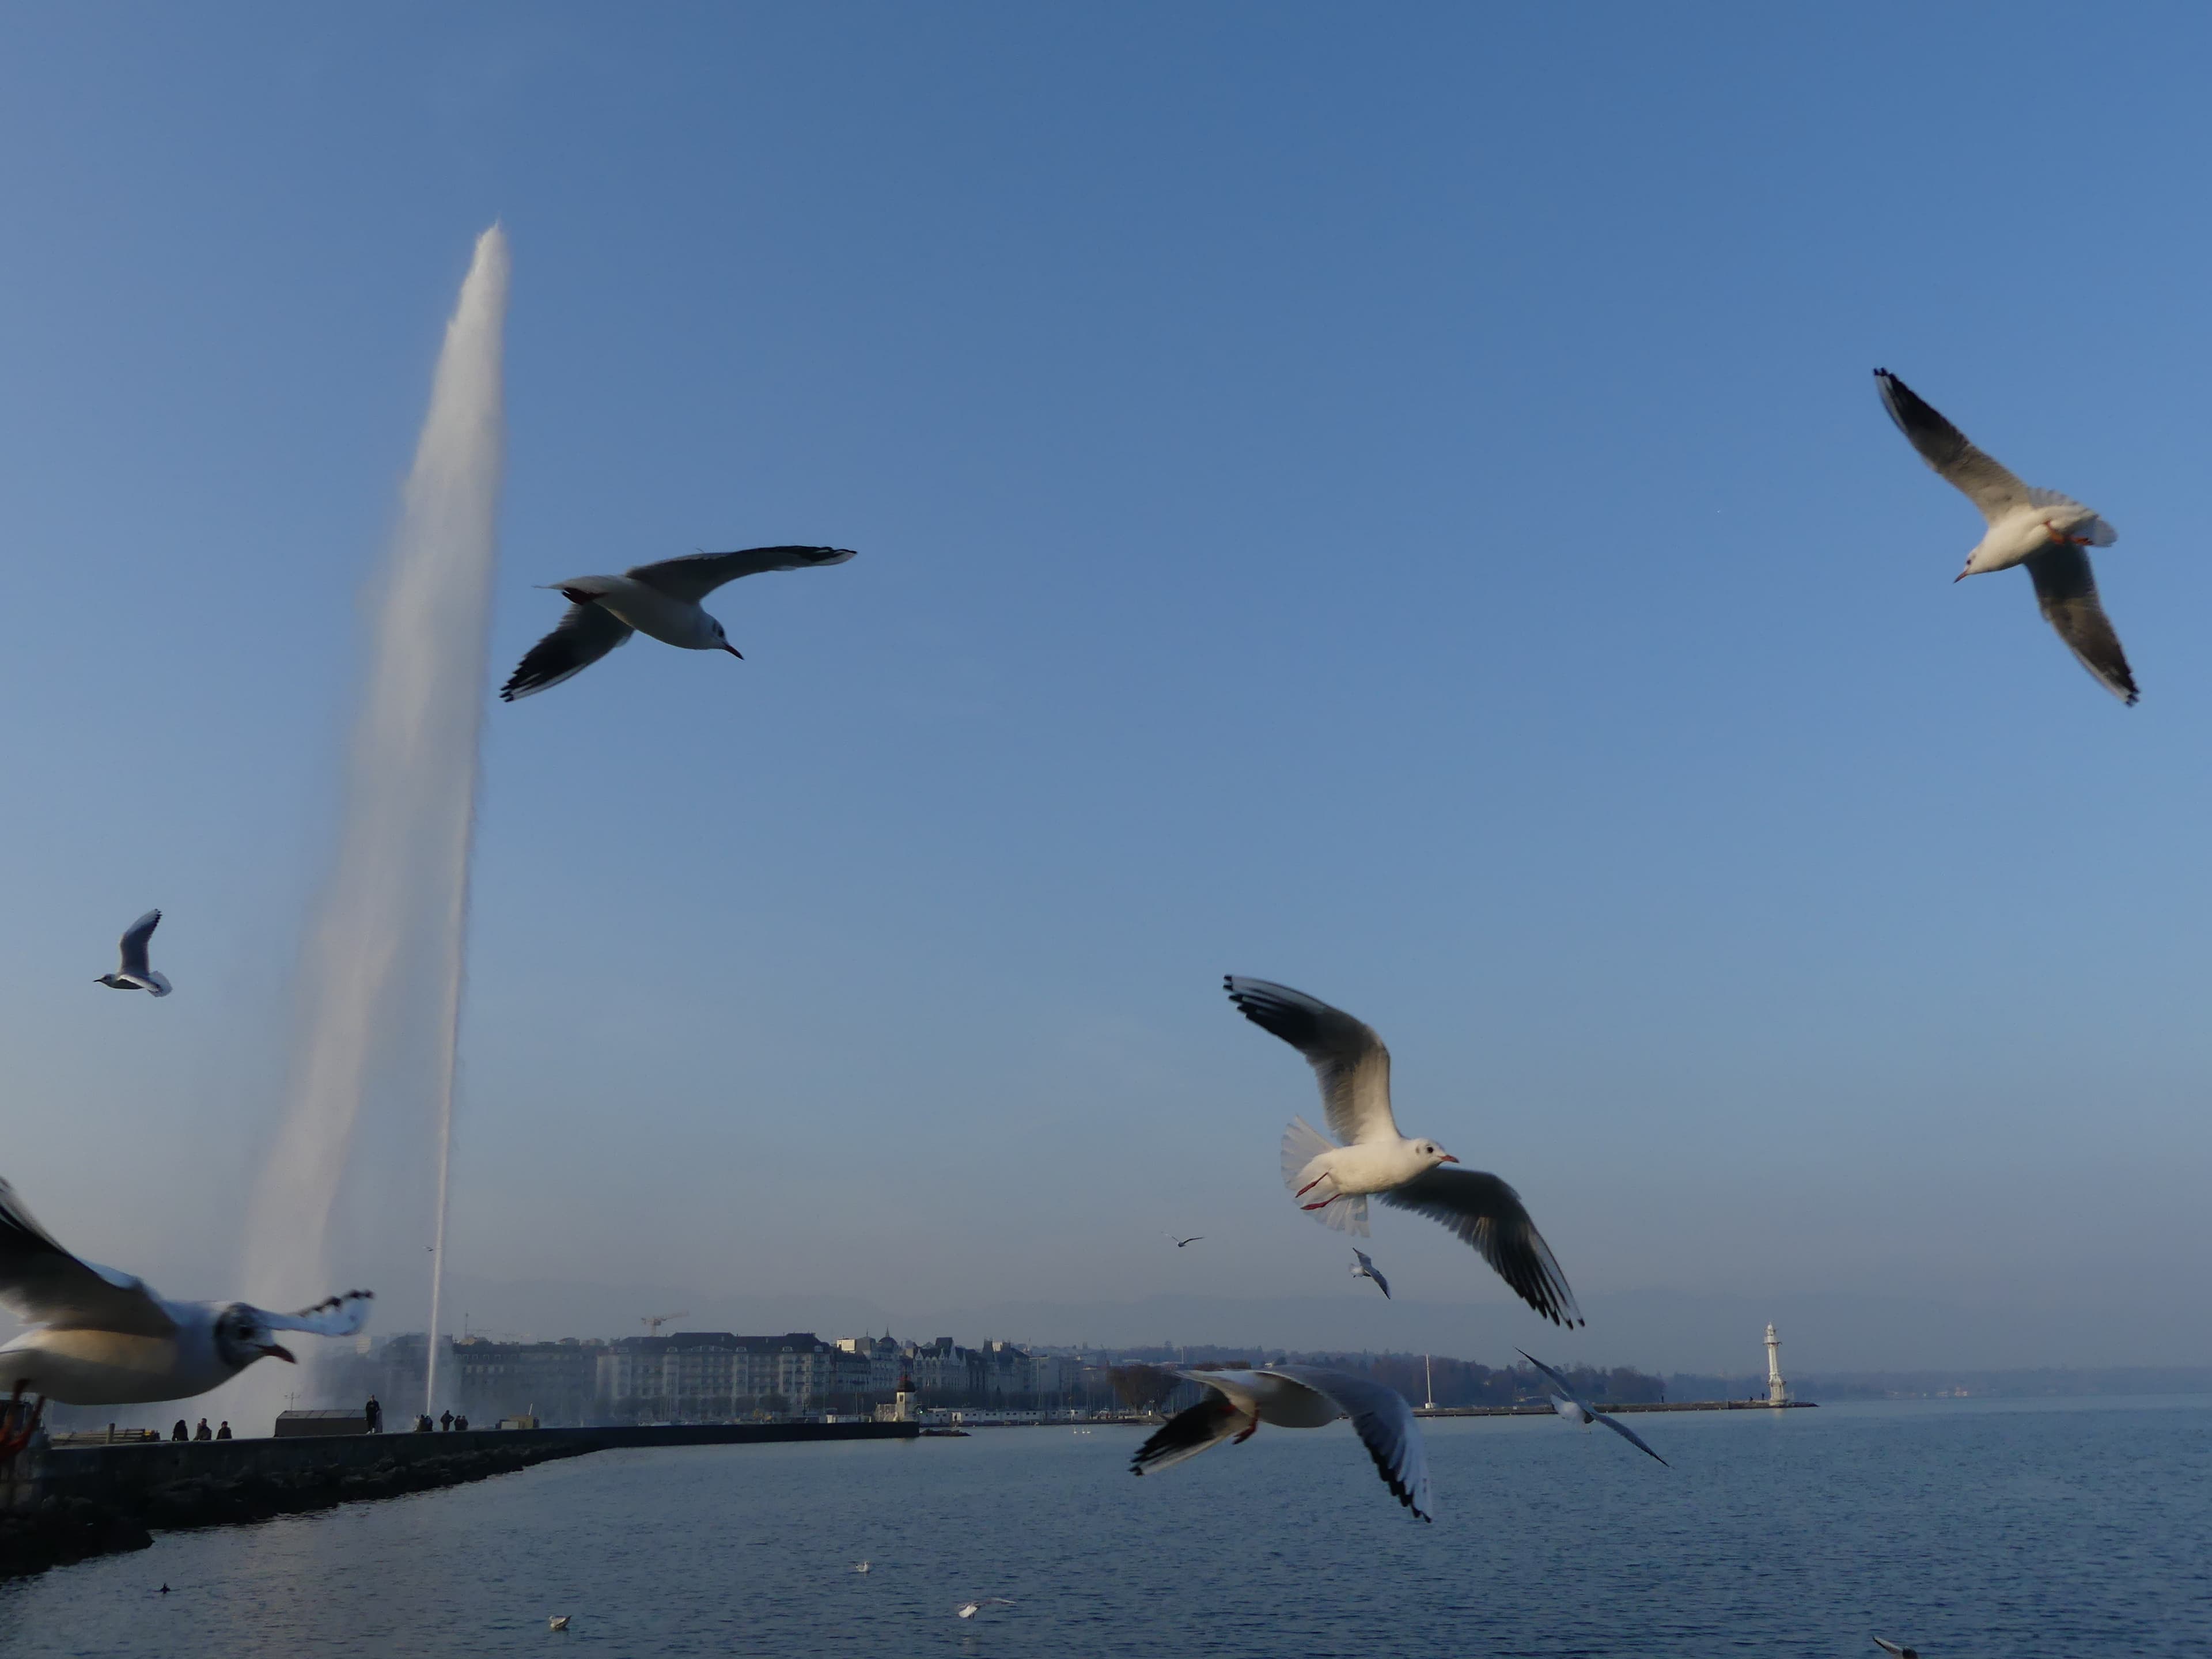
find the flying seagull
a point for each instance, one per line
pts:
(660, 599)
(1298, 1397)
(1333, 1183)
(1892, 1647)
(1364, 1267)
(98, 1336)
(969, 1609)
(134, 975)
(1576, 1411)
(1180, 1243)
(2040, 528)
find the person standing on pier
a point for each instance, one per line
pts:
(180, 1432)
(373, 1414)
(223, 1432)
(446, 1422)
(203, 1432)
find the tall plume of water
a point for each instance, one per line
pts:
(382, 967)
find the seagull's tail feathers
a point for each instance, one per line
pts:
(2094, 528)
(157, 982)
(1302, 1144)
(1346, 1215)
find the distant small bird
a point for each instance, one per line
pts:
(1333, 1183)
(558, 1622)
(1892, 1647)
(860, 1566)
(660, 599)
(1364, 1267)
(2039, 528)
(969, 1609)
(134, 975)
(1298, 1397)
(165, 1590)
(1180, 1243)
(1574, 1411)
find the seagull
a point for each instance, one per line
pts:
(2040, 528)
(1364, 1267)
(1574, 1411)
(134, 975)
(860, 1566)
(1180, 1243)
(1332, 1182)
(1298, 1397)
(969, 1609)
(98, 1336)
(557, 1622)
(1892, 1647)
(660, 599)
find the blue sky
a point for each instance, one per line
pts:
(1394, 504)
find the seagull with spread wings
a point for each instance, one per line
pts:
(2040, 528)
(134, 973)
(99, 1336)
(1333, 1183)
(1364, 1267)
(660, 599)
(1575, 1410)
(1298, 1397)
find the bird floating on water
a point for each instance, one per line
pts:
(133, 974)
(557, 1622)
(99, 1336)
(969, 1609)
(1298, 1397)
(1364, 1267)
(1579, 1411)
(660, 599)
(860, 1566)
(2040, 528)
(1335, 1182)
(1892, 1647)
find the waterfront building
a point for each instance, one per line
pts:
(714, 1375)
(557, 1383)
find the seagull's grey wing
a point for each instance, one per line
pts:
(2066, 588)
(1990, 486)
(1367, 1267)
(1558, 1381)
(42, 1284)
(336, 1316)
(581, 637)
(1892, 1647)
(1347, 1057)
(1386, 1426)
(1631, 1437)
(133, 944)
(1486, 1212)
(1194, 1430)
(696, 576)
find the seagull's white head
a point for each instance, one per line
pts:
(1430, 1154)
(242, 1335)
(722, 639)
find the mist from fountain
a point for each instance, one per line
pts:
(382, 965)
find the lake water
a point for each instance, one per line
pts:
(2012, 1529)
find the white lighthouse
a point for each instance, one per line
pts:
(1778, 1391)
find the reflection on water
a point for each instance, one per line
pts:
(1968, 1528)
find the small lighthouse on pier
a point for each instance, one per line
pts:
(1778, 1391)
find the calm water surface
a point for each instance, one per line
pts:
(1966, 1527)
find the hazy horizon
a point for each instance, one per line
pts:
(1395, 504)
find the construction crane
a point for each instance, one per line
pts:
(653, 1323)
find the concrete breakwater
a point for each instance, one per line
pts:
(67, 1504)
(1632, 1406)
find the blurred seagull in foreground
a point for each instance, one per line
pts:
(102, 1338)
(2040, 528)
(1364, 1267)
(1298, 1397)
(969, 1609)
(660, 599)
(1333, 1183)
(1892, 1647)
(1576, 1411)
(134, 974)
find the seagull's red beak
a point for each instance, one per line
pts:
(733, 651)
(1448, 1159)
(277, 1351)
